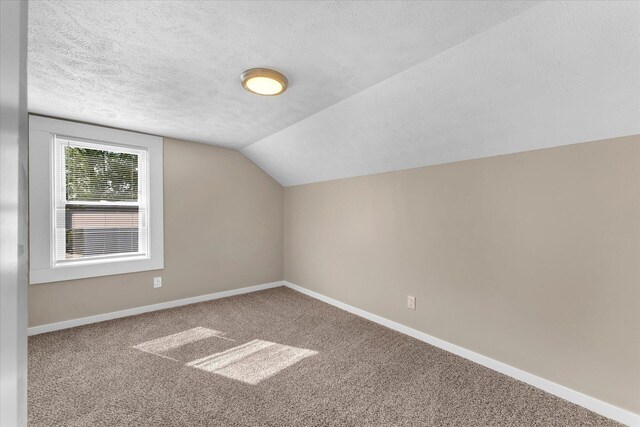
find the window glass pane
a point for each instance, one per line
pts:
(100, 230)
(97, 175)
(99, 211)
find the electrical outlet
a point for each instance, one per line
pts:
(157, 282)
(411, 302)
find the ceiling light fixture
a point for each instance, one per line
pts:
(263, 81)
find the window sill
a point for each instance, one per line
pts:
(99, 260)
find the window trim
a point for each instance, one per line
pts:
(42, 132)
(59, 198)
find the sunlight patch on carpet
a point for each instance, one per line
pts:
(170, 342)
(252, 362)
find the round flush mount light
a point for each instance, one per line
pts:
(263, 81)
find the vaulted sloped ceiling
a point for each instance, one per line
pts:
(560, 73)
(375, 86)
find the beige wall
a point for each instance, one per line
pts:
(223, 229)
(532, 259)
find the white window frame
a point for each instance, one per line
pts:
(60, 201)
(43, 195)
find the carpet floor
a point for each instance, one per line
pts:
(270, 358)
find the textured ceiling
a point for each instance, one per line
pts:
(559, 73)
(375, 86)
(172, 68)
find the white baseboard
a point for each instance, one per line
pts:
(147, 308)
(605, 409)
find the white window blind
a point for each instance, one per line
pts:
(100, 202)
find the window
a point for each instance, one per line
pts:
(100, 201)
(102, 213)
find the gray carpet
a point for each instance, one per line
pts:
(270, 358)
